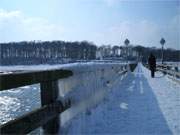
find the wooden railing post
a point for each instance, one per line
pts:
(49, 94)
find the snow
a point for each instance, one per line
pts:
(87, 87)
(167, 92)
(57, 66)
(136, 105)
(104, 101)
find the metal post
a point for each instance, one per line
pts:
(126, 53)
(49, 94)
(162, 53)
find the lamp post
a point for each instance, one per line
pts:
(162, 41)
(126, 42)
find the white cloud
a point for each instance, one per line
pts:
(15, 26)
(142, 32)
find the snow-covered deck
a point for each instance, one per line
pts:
(138, 105)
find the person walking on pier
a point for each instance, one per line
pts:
(152, 64)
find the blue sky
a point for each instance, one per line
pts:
(100, 21)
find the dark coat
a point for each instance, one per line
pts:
(152, 62)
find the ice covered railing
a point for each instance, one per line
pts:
(170, 66)
(88, 86)
(76, 86)
(172, 69)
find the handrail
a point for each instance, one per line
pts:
(166, 70)
(170, 72)
(32, 120)
(169, 67)
(14, 80)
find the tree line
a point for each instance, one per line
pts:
(53, 52)
(45, 52)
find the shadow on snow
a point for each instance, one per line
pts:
(139, 111)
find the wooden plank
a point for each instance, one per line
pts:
(32, 120)
(8, 81)
(49, 94)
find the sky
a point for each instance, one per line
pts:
(143, 22)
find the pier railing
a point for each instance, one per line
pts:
(172, 70)
(53, 95)
(48, 114)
